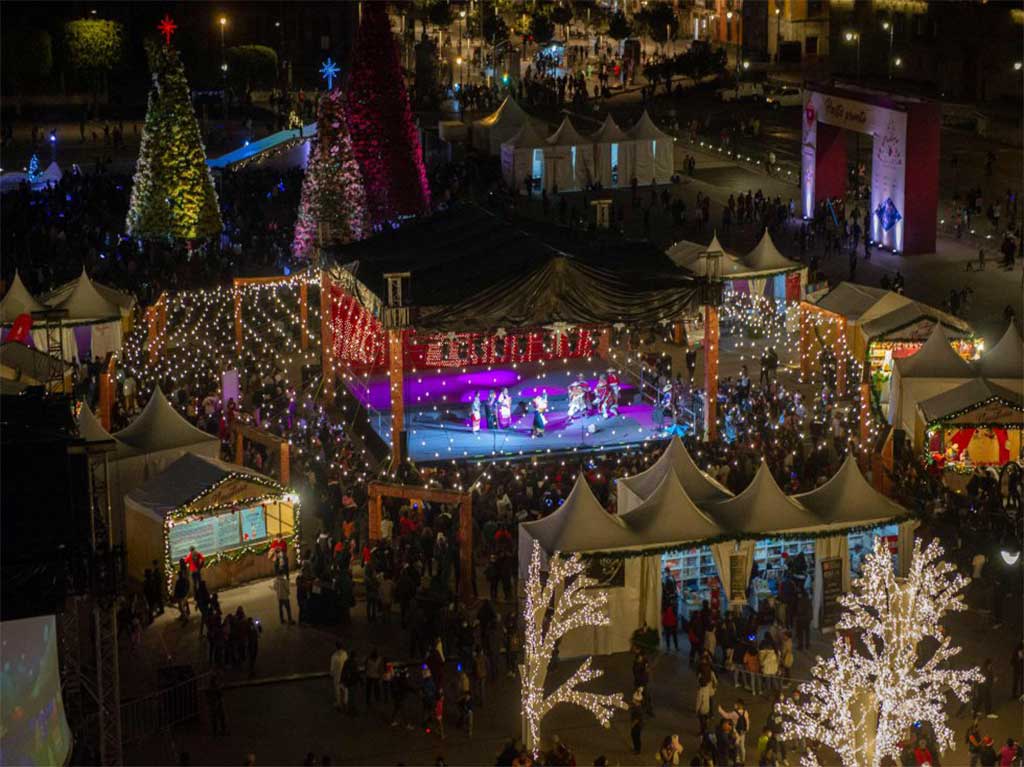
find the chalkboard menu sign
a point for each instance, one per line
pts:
(738, 577)
(831, 590)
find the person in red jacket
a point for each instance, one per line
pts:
(195, 561)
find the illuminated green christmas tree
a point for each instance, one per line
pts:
(173, 193)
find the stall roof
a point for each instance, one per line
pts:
(851, 300)
(566, 135)
(884, 312)
(84, 303)
(527, 137)
(609, 132)
(160, 427)
(693, 257)
(675, 460)
(579, 524)
(17, 301)
(973, 395)
(765, 257)
(117, 297)
(471, 268)
(668, 517)
(762, 508)
(935, 359)
(31, 363)
(848, 499)
(645, 129)
(187, 479)
(1006, 358)
(508, 111)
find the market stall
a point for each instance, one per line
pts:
(613, 155)
(522, 157)
(571, 157)
(931, 370)
(230, 514)
(653, 152)
(490, 132)
(1003, 364)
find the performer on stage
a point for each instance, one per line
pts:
(613, 391)
(540, 406)
(491, 410)
(474, 412)
(578, 390)
(504, 409)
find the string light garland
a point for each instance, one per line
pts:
(566, 600)
(893, 675)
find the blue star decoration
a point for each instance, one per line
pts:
(329, 71)
(887, 214)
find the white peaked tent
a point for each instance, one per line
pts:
(91, 430)
(613, 155)
(1003, 364)
(17, 301)
(124, 301)
(579, 524)
(490, 132)
(653, 152)
(933, 369)
(765, 257)
(572, 158)
(762, 509)
(675, 460)
(693, 257)
(523, 155)
(668, 517)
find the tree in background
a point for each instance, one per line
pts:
(495, 29)
(619, 27)
(439, 13)
(542, 29)
(251, 66)
(562, 14)
(172, 192)
(660, 21)
(385, 138)
(27, 60)
(94, 48)
(332, 209)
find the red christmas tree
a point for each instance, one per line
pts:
(384, 137)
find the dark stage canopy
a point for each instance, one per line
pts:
(471, 269)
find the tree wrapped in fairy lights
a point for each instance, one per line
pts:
(172, 191)
(864, 699)
(384, 136)
(332, 209)
(564, 601)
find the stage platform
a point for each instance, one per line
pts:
(437, 408)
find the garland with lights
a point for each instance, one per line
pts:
(864, 698)
(332, 210)
(565, 601)
(172, 191)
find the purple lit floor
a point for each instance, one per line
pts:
(437, 412)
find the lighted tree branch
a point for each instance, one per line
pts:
(863, 699)
(554, 608)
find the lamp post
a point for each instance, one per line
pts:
(889, 27)
(853, 38)
(462, 23)
(728, 36)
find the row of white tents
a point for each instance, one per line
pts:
(674, 506)
(567, 159)
(93, 317)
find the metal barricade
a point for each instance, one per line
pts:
(161, 710)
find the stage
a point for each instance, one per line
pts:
(437, 412)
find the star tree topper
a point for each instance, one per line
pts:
(329, 71)
(167, 28)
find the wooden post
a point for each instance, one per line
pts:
(839, 349)
(239, 448)
(865, 419)
(326, 337)
(107, 378)
(466, 572)
(156, 322)
(238, 318)
(303, 315)
(376, 512)
(604, 343)
(396, 380)
(677, 333)
(806, 338)
(285, 463)
(711, 372)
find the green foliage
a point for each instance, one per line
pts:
(440, 13)
(542, 29)
(619, 27)
(172, 192)
(94, 45)
(252, 66)
(660, 21)
(561, 14)
(699, 61)
(27, 54)
(495, 29)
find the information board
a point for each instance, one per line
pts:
(831, 590)
(254, 524)
(228, 536)
(201, 533)
(738, 578)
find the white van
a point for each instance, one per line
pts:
(787, 96)
(743, 91)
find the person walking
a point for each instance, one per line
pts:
(670, 751)
(284, 598)
(740, 719)
(636, 720)
(215, 700)
(707, 684)
(338, 659)
(983, 691)
(195, 561)
(1017, 669)
(670, 627)
(641, 680)
(181, 590)
(350, 678)
(374, 671)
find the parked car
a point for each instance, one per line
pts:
(786, 97)
(742, 91)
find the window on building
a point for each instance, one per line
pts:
(815, 8)
(811, 46)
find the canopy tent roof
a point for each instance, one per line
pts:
(1000, 405)
(31, 363)
(668, 516)
(762, 508)
(765, 257)
(18, 301)
(609, 132)
(579, 524)
(508, 112)
(675, 460)
(91, 430)
(84, 303)
(851, 300)
(527, 137)
(646, 130)
(848, 499)
(886, 313)
(125, 301)
(1006, 358)
(935, 359)
(160, 427)
(471, 269)
(566, 135)
(187, 479)
(693, 257)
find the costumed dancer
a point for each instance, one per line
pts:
(613, 391)
(540, 407)
(601, 393)
(474, 412)
(504, 408)
(578, 397)
(491, 409)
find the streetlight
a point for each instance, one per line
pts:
(896, 62)
(728, 35)
(853, 38)
(223, 22)
(462, 23)
(458, 61)
(889, 27)
(1017, 66)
